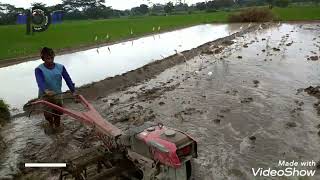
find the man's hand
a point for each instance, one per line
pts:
(49, 92)
(75, 96)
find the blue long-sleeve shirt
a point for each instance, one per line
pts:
(42, 84)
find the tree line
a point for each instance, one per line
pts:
(96, 9)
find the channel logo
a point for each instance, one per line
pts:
(38, 19)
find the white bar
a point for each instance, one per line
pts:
(45, 165)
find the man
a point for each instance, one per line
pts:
(49, 79)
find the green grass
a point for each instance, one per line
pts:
(70, 34)
(73, 34)
(297, 13)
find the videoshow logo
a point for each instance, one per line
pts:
(291, 169)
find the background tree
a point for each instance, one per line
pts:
(9, 13)
(40, 5)
(281, 3)
(144, 9)
(201, 6)
(270, 3)
(224, 3)
(91, 9)
(168, 8)
(181, 7)
(157, 9)
(211, 5)
(56, 8)
(140, 10)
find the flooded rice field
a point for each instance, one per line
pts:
(243, 101)
(99, 63)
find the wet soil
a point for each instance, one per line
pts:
(245, 113)
(315, 92)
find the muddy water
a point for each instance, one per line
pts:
(99, 63)
(15, 138)
(244, 111)
(27, 141)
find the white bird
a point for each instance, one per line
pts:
(197, 72)
(241, 28)
(159, 28)
(260, 26)
(107, 37)
(249, 25)
(279, 23)
(153, 28)
(210, 73)
(96, 38)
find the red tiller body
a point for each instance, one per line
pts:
(159, 148)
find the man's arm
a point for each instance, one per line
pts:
(68, 80)
(40, 80)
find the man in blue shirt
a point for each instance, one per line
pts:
(49, 79)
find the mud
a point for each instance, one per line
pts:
(314, 58)
(315, 92)
(256, 83)
(247, 113)
(243, 113)
(3, 145)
